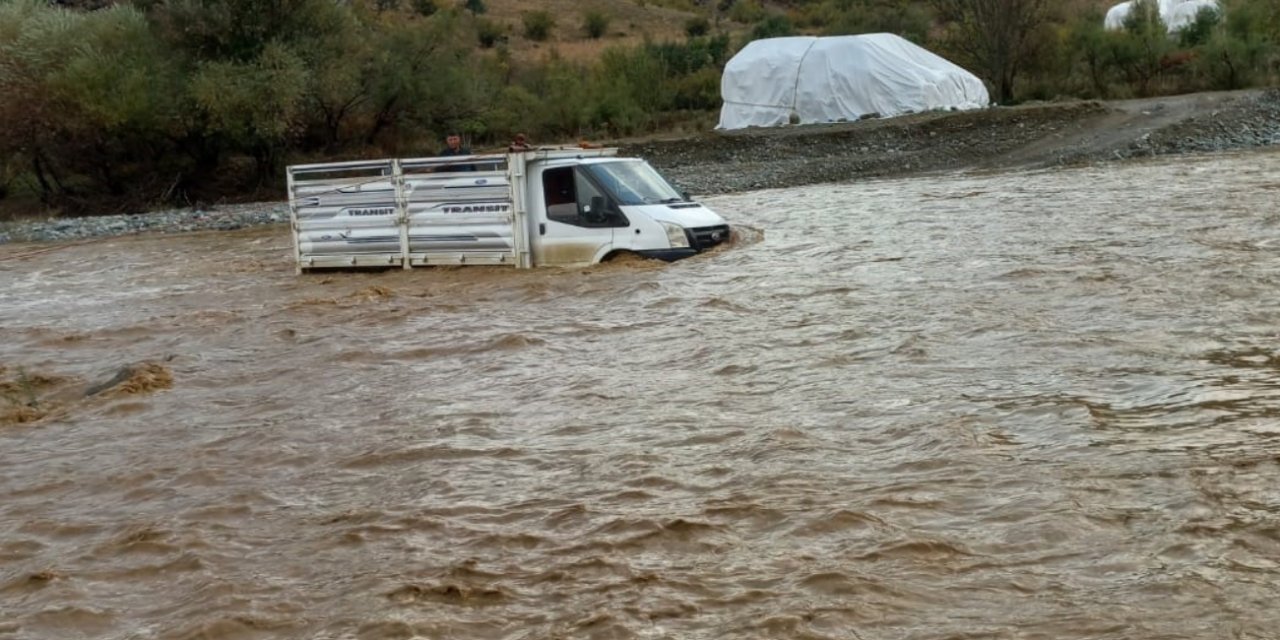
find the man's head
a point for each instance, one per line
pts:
(520, 139)
(454, 141)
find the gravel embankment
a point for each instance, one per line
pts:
(796, 156)
(1252, 121)
(223, 218)
(1002, 138)
(714, 163)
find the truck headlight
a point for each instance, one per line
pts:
(676, 236)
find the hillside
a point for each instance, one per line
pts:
(629, 23)
(156, 103)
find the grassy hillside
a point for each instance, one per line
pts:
(163, 101)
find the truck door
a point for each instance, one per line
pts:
(574, 219)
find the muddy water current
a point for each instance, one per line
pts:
(1023, 405)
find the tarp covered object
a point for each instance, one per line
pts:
(1117, 15)
(840, 78)
(1176, 14)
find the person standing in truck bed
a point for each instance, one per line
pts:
(520, 143)
(454, 147)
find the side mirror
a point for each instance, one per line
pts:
(595, 212)
(686, 196)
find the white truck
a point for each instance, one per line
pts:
(544, 207)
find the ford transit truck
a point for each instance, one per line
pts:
(542, 207)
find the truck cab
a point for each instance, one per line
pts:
(543, 207)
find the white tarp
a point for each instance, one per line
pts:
(1117, 15)
(840, 78)
(1176, 14)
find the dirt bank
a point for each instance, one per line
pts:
(1028, 136)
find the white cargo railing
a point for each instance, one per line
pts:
(403, 213)
(416, 211)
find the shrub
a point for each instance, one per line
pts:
(476, 7)
(695, 27)
(747, 11)
(775, 26)
(425, 7)
(538, 25)
(698, 91)
(489, 33)
(911, 20)
(91, 101)
(690, 56)
(1198, 32)
(1230, 62)
(595, 24)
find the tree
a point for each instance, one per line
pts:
(1139, 50)
(1090, 45)
(998, 38)
(1201, 28)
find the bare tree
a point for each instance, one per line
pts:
(997, 38)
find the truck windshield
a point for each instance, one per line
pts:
(634, 183)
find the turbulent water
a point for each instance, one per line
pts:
(1027, 405)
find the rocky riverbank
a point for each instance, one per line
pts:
(223, 218)
(1028, 136)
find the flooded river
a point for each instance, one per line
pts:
(1026, 405)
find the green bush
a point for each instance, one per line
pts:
(691, 55)
(1140, 48)
(90, 101)
(747, 11)
(698, 26)
(595, 24)
(538, 25)
(774, 26)
(1199, 31)
(910, 20)
(425, 7)
(697, 91)
(490, 33)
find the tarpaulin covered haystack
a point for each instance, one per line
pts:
(1176, 14)
(808, 80)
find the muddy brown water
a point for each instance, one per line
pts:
(1024, 405)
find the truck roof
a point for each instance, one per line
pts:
(559, 155)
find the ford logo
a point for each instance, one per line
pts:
(482, 181)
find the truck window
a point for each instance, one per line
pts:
(569, 195)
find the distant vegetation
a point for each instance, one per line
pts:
(175, 101)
